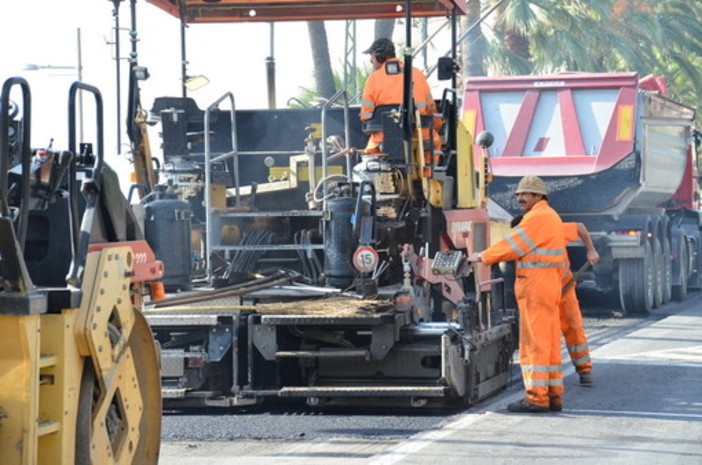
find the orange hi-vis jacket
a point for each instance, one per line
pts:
(382, 88)
(538, 246)
(571, 318)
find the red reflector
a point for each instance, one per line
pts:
(196, 362)
(628, 233)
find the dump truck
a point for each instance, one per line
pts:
(78, 364)
(617, 155)
(299, 268)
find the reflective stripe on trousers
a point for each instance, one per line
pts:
(573, 332)
(538, 295)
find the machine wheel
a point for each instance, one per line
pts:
(680, 290)
(636, 283)
(85, 413)
(96, 419)
(667, 272)
(658, 273)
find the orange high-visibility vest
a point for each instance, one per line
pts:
(383, 88)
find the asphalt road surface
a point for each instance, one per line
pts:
(645, 408)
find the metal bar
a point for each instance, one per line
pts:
(208, 175)
(323, 354)
(183, 56)
(426, 41)
(323, 142)
(364, 391)
(216, 293)
(25, 153)
(294, 213)
(245, 290)
(469, 30)
(272, 152)
(81, 238)
(270, 247)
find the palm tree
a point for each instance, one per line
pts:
(473, 48)
(323, 76)
(383, 28)
(647, 36)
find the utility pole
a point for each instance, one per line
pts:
(80, 78)
(118, 78)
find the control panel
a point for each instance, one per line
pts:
(447, 262)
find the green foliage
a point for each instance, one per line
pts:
(660, 37)
(309, 98)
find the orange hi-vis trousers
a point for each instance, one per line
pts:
(573, 332)
(540, 336)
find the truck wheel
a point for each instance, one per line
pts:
(658, 273)
(680, 290)
(667, 272)
(636, 283)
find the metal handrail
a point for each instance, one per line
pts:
(234, 153)
(25, 153)
(325, 107)
(80, 233)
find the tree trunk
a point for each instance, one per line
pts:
(383, 29)
(473, 48)
(323, 76)
(517, 43)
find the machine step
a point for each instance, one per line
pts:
(364, 391)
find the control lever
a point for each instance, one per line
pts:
(57, 173)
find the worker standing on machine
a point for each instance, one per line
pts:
(538, 245)
(384, 87)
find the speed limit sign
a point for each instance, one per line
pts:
(365, 259)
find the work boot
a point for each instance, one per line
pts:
(523, 406)
(586, 377)
(555, 406)
(555, 403)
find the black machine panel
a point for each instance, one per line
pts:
(257, 131)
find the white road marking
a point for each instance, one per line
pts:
(422, 440)
(634, 413)
(643, 361)
(688, 357)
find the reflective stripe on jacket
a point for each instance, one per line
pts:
(534, 243)
(382, 88)
(386, 89)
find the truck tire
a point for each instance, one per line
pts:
(636, 283)
(667, 271)
(680, 290)
(658, 273)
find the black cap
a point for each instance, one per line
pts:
(382, 45)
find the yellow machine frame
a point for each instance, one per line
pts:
(71, 389)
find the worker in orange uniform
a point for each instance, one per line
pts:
(571, 318)
(384, 87)
(569, 309)
(538, 246)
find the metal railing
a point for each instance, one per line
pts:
(234, 154)
(325, 157)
